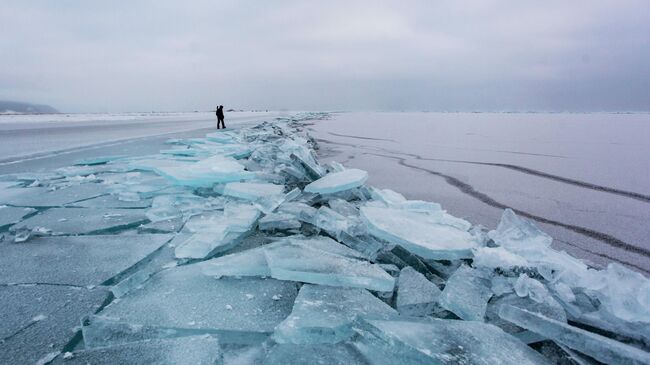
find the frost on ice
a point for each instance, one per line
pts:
(241, 247)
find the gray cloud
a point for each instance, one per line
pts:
(413, 55)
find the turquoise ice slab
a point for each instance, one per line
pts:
(323, 314)
(44, 197)
(335, 182)
(300, 263)
(252, 191)
(422, 234)
(183, 298)
(279, 221)
(337, 354)
(246, 263)
(416, 296)
(600, 348)
(11, 215)
(466, 294)
(72, 221)
(191, 350)
(75, 260)
(438, 341)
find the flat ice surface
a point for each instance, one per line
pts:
(337, 354)
(252, 191)
(582, 177)
(83, 220)
(186, 299)
(199, 350)
(420, 233)
(80, 261)
(23, 135)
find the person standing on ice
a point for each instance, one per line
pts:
(220, 117)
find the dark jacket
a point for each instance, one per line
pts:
(220, 113)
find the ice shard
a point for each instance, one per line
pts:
(324, 314)
(420, 233)
(100, 160)
(237, 310)
(466, 294)
(416, 296)
(309, 265)
(279, 222)
(246, 263)
(338, 181)
(599, 347)
(203, 350)
(438, 341)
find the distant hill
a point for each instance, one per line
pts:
(11, 107)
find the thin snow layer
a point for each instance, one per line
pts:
(270, 257)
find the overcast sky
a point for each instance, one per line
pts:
(139, 55)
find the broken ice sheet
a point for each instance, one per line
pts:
(99, 160)
(83, 220)
(438, 341)
(45, 197)
(420, 233)
(466, 294)
(88, 260)
(323, 314)
(11, 215)
(183, 350)
(183, 298)
(599, 347)
(338, 181)
(301, 263)
(416, 296)
(204, 173)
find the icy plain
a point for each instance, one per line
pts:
(242, 247)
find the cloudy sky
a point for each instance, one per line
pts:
(137, 55)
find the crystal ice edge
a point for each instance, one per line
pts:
(275, 258)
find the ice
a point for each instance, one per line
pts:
(72, 221)
(299, 210)
(246, 263)
(466, 294)
(493, 257)
(519, 235)
(279, 222)
(100, 160)
(41, 197)
(204, 350)
(409, 341)
(337, 354)
(252, 191)
(269, 204)
(88, 260)
(600, 348)
(332, 222)
(184, 299)
(338, 181)
(323, 314)
(416, 296)
(420, 233)
(12, 215)
(112, 201)
(310, 265)
(204, 173)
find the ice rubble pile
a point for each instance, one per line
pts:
(278, 259)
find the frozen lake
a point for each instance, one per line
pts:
(583, 178)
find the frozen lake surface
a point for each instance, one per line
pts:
(157, 239)
(584, 178)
